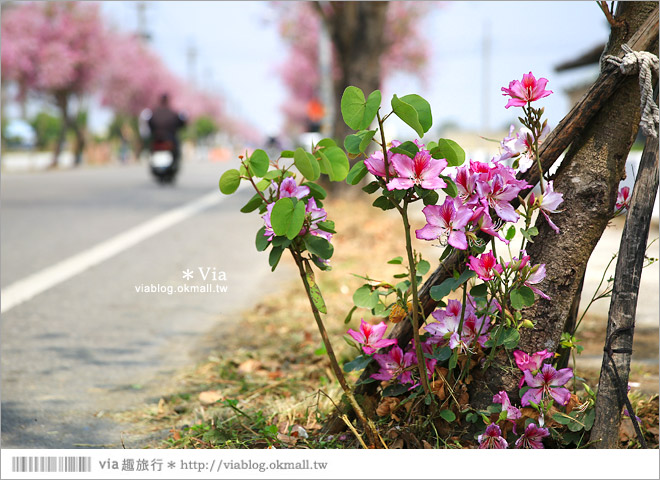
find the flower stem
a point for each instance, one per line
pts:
(421, 364)
(368, 426)
(383, 145)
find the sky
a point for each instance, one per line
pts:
(239, 51)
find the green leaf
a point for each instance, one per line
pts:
(314, 290)
(357, 112)
(383, 203)
(263, 185)
(316, 190)
(431, 198)
(406, 148)
(327, 226)
(422, 108)
(274, 257)
(273, 174)
(282, 215)
(408, 114)
(396, 261)
(307, 164)
(371, 188)
(423, 267)
(281, 242)
(510, 339)
(334, 163)
(297, 220)
(438, 292)
(450, 189)
(286, 154)
(319, 246)
(480, 290)
(510, 233)
(453, 360)
(229, 181)
(447, 415)
(449, 150)
(349, 315)
(261, 241)
(358, 142)
(326, 142)
(365, 298)
(443, 354)
(589, 419)
(522, 297)
(259, 162)
(360, 363)
(357, 173)
(252, 204)
(394, 390)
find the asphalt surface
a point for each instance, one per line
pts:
(92, 344)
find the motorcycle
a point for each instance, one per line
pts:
(163, 161)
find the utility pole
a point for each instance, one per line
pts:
(485, 76)
(326, 85)
(191, 56)
(142, 32)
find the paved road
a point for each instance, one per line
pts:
(92, 343)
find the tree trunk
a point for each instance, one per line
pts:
(611, 398)
(559, 139)
(588, 178)
(79, 146)
(357, 32)
(62, 101)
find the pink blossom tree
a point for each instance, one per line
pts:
(369, 40)
(55, 49)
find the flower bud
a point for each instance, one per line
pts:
(527, 324)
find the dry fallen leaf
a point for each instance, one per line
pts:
(288, 439)
(387, 406)
(427, 445)
(398, 443)
(209, 397)
(249, 366)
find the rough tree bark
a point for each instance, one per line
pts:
(588, 178)
(560, 138)
(610, 400)
(357, 33)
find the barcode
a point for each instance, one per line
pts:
(51, 464)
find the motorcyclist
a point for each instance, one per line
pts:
(164, 123)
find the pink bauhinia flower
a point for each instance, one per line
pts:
(371, 337)
(446, 221)
(485, 266)
(530, 362)
(269, 233)
(533, 437)
(548, 381)
(289, 188)
(422, 170)
(623, 198)
(376, 165)
(529, 90)
(316, 215)
(537, 276)
(498, 195)
(492, 438)
(394, 364)
(512, 413)
(550, 200)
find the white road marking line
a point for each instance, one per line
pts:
(23, 290)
